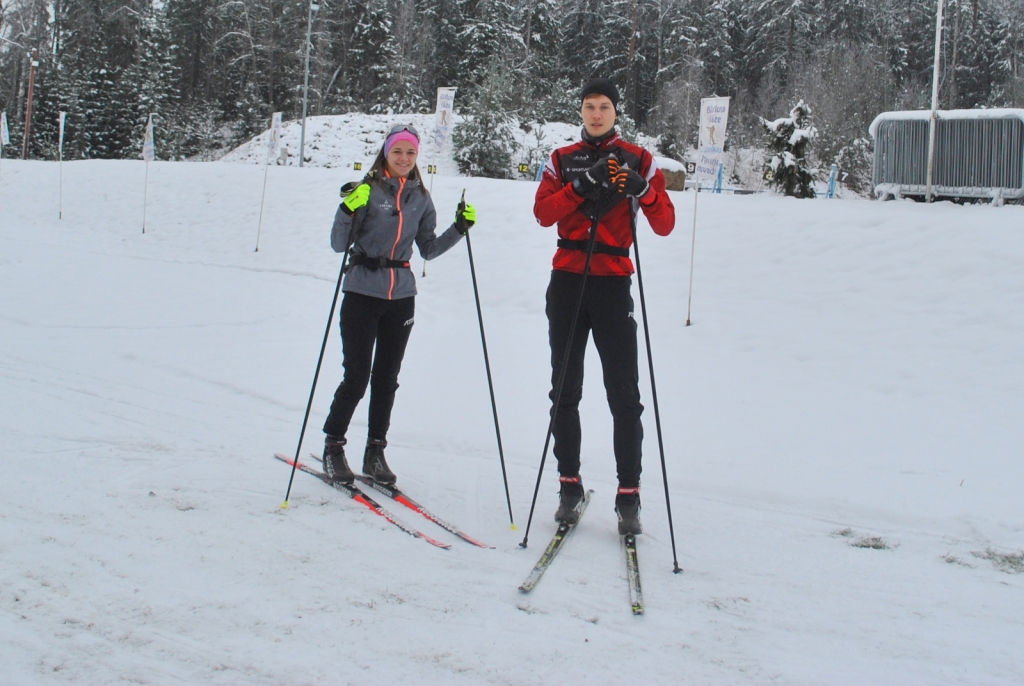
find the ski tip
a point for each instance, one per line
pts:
(514, 527)
(677, 570)
(522, 543)
(284, 505)
(638, 610)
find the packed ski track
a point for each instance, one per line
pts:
(842, 430)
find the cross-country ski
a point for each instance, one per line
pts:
(401, 497)
(560, 538)
(362, 499)
(636, 596)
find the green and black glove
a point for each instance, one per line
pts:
(465, 217)
(356, 199)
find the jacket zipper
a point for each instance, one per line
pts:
(398, 204)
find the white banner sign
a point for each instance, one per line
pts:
(60, 135)
(5, 135)
(148, 150)
(443, 117)
(714, 116)
(275, 136)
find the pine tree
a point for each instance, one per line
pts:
(781, 32)
(483, 142)
(491, 32)
(788, 141)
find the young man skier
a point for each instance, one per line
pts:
(599, 181)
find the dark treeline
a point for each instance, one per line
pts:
(212, 71)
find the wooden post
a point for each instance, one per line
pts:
(28, 107)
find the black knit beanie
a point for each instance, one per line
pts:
(601, 87)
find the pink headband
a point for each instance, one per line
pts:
(401, 136)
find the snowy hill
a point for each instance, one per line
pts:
(842, 427)
(338, 141)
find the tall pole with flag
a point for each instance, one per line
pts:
(443, 113)
(442, 125)
(148, 154)
(714, 117)
(5, 135)
(60, 154)
(272, 146)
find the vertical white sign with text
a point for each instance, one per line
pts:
(60, 135)
(443, 119)
(5, 135)
(275, 136)
(714, 116)
(148, 148)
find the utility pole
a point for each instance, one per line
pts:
(33, 57)
(935, 104)
(314, 5)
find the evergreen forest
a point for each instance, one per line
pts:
(212, 71)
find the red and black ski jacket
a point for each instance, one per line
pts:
(557, 202)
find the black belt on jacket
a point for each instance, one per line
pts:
(599, 247)
(358, 259)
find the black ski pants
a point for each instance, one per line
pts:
(367, 322)
(607, 313)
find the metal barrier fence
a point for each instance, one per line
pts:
(978, 154)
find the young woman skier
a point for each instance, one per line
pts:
(378, 222)
(599, 181)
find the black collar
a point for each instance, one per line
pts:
(600, 141)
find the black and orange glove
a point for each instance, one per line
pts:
(592, 181)
(629, 182)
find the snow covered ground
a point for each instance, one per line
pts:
(842, 425)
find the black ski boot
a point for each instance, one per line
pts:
(335, 465)
(374, 465)
(627, 508)
(570, 499)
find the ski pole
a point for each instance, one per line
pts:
(654, 392)
(487, 365)
(561, 375)
(345, 190)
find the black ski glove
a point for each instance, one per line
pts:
(592, 181)
(631, 183)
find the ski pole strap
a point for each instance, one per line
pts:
(374, 263)
(599, 247)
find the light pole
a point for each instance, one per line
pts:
(314, 5)
(935, 103)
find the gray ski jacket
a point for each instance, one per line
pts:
(395, 216)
